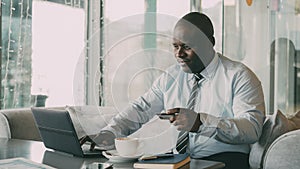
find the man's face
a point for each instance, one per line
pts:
(191, 51)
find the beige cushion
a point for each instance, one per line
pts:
(4, 127)
(22, 124)
(295, 121)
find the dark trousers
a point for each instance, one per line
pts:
(232, 160)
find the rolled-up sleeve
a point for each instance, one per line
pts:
(138, 112)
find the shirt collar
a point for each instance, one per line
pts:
(210, 69)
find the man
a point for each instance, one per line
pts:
(228, 109)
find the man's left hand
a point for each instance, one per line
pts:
(186, 120)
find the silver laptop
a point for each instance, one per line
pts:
(58, 133)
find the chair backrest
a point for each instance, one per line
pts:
(21, 124)
(275, 125)
(4, 127)
(284, 152)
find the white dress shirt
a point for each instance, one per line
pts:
(230, 102)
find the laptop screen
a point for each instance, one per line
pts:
(57, 130)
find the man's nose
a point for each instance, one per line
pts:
(180, 52)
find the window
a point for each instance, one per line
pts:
(58, 41)
(41, 45)
(264, 35)
(16, 42)
(108, 52)
(137, 46)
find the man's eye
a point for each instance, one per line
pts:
(186, 47)
(175, 46)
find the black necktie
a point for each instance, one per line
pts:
(183, 138)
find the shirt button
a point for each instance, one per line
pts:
(192, 136)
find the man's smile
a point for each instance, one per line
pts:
(183, 62)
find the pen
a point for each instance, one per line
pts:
(151, 157)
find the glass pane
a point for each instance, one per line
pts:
(41, 44)
(16, 52)
(265, 36)
(213, 9)
(246, 36)
(284, 54)
(57, 43)
(137, 46)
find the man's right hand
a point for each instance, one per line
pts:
(104, 140)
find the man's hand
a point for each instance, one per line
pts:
(104, 140)
(186, 119)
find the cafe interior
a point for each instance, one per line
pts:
(102, 54)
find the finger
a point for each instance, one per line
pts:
(181, 127)
(92, 146)
(175, 123)
(182, 111)
(83, 140)
(180, 121)
(172, 111)
(183, 118)
(180, 118)
(172, 119)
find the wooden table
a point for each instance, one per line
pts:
(36, 151)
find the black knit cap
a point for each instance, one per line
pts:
(202, 22)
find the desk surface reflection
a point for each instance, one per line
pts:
(35, 151)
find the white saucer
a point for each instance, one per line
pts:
(113, 156)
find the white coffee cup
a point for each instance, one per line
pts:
(127, 146)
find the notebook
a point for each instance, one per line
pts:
(171, 162)
(58, 133)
